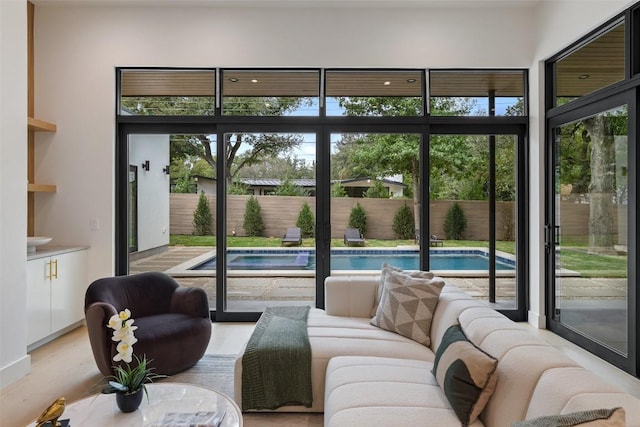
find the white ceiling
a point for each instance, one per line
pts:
(301, 3)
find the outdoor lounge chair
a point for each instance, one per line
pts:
(352, 237)
(293, 236)
(434, 241)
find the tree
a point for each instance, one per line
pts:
(358, 218)
(253, 148)
(238, 188)
(455, 223)
(253, 224)
(306, 221)
(391, 154)
(202, 217)
(337, 190)
(288, 188)
(403, 223)
(377, 191)
(185, 183)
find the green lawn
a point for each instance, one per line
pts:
(573, 258)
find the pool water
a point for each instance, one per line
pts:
(356, 260)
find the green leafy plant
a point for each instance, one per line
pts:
(403, 223)
(455, 223)
(337, 190)
(377, 191)
(358, 218)
(202, 217)
(288, 188)
(306, 221)
(253, 224)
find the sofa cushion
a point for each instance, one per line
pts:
(466, 374)
(591, 418)
(381, 391)
(388, 267)
(407, 305)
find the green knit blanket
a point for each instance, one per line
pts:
(276, 365)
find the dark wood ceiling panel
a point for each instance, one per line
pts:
(596, 65)
(270, 83)
(476, 83)
(374, 83)
(168, 83)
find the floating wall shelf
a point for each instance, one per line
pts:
(40, 125)
(41, 188)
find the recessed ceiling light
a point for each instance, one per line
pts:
(584, 76)
(411, 80)
(254, 81)
(233, 79)
(387, 83)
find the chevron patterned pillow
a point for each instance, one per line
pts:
(407, 304)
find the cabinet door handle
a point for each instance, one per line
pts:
(55, 275)
(48, 276)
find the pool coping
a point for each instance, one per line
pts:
(184, 269)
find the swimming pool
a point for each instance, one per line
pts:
(360, 259)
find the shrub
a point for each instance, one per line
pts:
(238, 188)
(288, 188)
(455, 223)
(306, 221)
(337, 190)
(202, 217)
(377, 191)
(403, 224)
(253, 224)
(358, 218)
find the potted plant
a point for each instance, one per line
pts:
(129, 379)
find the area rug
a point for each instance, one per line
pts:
(216, 372)
(212, 371)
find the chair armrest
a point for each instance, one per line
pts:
(97, 316)
(191, 301)
(350, 296)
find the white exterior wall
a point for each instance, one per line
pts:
(78, 46)
(153, 189)
(14, 361)
(558, 24)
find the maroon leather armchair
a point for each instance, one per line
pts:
(174, 325)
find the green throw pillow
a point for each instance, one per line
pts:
(466, 374)
(407, 304)
(593, 418)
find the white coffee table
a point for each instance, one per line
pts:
(101, 410)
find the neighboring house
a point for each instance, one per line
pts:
(354, 187)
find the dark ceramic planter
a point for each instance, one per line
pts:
(129, 402)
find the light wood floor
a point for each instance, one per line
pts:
(65, 367)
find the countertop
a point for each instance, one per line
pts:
(50, 250)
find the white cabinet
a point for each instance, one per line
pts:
(56, 286)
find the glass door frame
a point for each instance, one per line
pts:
(322, 239)
(443, 127)
(583, 110)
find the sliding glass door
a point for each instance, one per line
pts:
(270, 228)
(588, 238)
(476, 213)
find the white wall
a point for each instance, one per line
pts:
(559, 23)
(77, 48)
(153, 189)
(14, 361)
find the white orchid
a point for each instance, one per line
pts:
(125, 352)
(123, 328)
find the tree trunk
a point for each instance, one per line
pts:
(601, 186)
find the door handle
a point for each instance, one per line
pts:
(54, 275)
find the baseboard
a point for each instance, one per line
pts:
(15, 371)
(537, 320)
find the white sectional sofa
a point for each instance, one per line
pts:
(364, 376)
